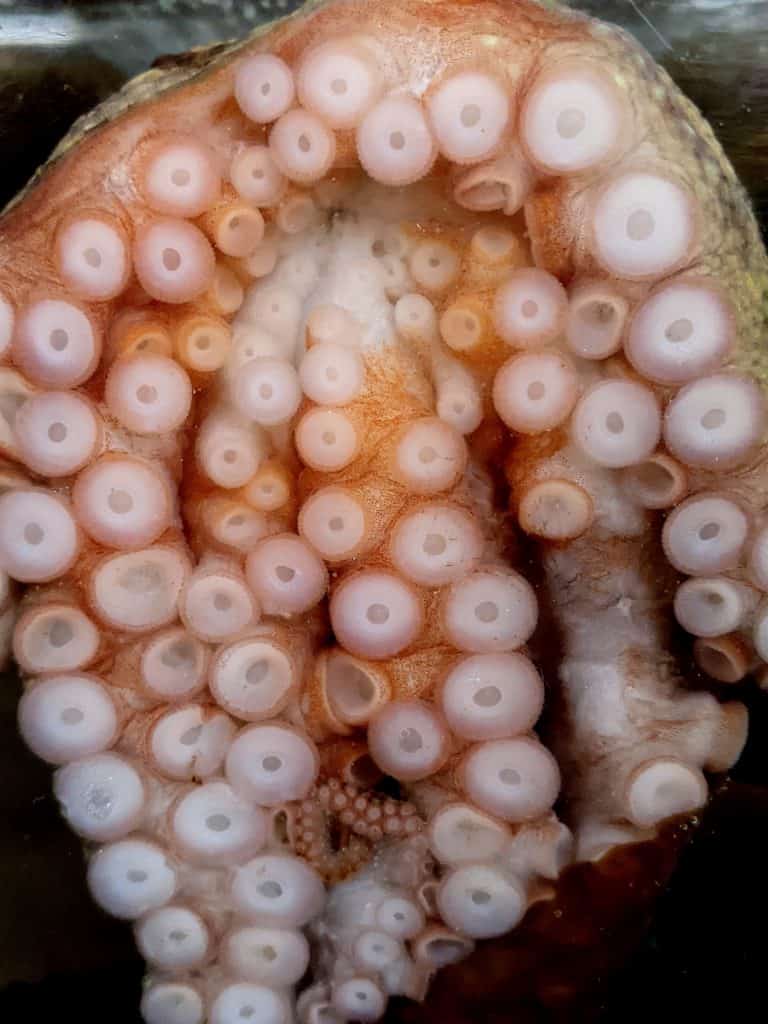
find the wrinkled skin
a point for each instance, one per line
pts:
(616, 703)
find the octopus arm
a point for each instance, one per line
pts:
(368, 389)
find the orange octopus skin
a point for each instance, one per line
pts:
(377, 382)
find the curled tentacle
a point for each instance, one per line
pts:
(343, 385)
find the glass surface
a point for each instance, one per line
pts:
(704, 950)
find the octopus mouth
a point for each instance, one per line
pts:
(355, 387)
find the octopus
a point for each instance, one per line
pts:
(369, 388)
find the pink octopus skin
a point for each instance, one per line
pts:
(331, 321)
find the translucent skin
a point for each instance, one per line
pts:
(593, 579)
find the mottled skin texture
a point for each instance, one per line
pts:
(93, 169)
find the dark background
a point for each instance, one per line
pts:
(60, 958)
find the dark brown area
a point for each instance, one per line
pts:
(548, 968)
(664, 931)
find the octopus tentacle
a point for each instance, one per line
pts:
(347, 374)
